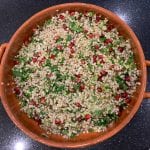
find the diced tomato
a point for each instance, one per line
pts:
(17, 91)
(32, 102)
(57, 121)
(42, 60)
(103, 73)
(42, 100)
(121, 49)
(96, 47)
(72, 50)
(52, 56)
(61, 17)
(59, 47)
(87, 117)
(78, 75)
(100, 78)
(99, 89)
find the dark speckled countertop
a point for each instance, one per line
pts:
(136, 135)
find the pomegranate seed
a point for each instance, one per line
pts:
(42, 100)
(59, 47)
(99, 89)
(34, 59)
(52, 56)
(56, 38)
(124, 95)
(16, 62)
(83, 62)
(100, 78)
(42, 60)
(108, 41)
(61, 17)
(91, 35)
(72, 50)
(78, 75)
(57, 121)
(94, 58)
(85, 31)
(96, 46)
(80, 118)
(32, 102)
(121, 49)
(98, 18)
(127, 78)
(110, 27)
(72, 13)
(103, 73)
(82, 87)
(71, 44)
(17, 91)
(87, 117)
(117, 97)
(78, 104)
(65, 27)
(128, 100)
(37, 119)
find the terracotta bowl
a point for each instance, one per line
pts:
(29, 126)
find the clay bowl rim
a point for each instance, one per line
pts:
(108, 134)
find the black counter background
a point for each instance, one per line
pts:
(136, 135)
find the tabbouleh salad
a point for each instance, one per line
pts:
(76, 74)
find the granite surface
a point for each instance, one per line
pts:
(136, 135)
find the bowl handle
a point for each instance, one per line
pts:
(147, 94)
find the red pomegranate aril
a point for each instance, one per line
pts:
(79, 119)
(121, 49)
(117, 97)
(71, 44)
(100, 78)
(65, 27)
(34, 59)
(57, 121)
(98, 18)
(99, 89)
(78, 75)
(108, 41)
(83, 62)
(42, 100)
(96, 47)
(91, 35)
(127, 78)
(82, 87)
(56, 38)
(103, 73)
(61, 17)
(52, 56)
(87, 117)
(124, 95)
(110, 27)
(78, 104)
(71, 13)
(17, 91)
(72, 50)
(94, 58)
(59, 47)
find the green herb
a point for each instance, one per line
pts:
(91, 14)
(69, 38)
(121, 82)
(75, 27)
(105, 51)
(97, 113)
(59, 40)
(48, 22)
(102, 39)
